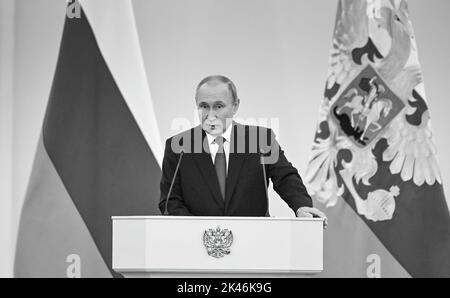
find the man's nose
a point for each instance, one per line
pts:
(211, 114)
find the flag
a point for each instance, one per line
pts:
(373, 164)
(100, 151)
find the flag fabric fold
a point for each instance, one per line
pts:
(100, 150)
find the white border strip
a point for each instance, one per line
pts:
(6, 133)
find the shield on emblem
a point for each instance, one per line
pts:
(365, 107)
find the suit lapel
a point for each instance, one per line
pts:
(206, 167)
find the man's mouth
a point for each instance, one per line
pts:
(213, 126)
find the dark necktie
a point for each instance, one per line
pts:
(220, 164)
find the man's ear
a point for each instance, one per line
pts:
(236, 105)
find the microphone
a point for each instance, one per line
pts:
(261, 155)
(166, 212)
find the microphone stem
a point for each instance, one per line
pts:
(265, 183)
(166, 211)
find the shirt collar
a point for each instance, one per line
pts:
(226, 135)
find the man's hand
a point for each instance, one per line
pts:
(312, 212)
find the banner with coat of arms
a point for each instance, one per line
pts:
(373, 164)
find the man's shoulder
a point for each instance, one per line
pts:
(186, 133)
(254, 133)
(188, 141)
(248, 128)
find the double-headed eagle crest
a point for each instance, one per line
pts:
(374, 121)
(218, 242)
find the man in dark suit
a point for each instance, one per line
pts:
(221, 168)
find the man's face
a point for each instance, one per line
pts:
(215, 107)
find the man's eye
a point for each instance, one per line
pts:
(220, 106)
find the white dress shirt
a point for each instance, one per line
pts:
(213, 147)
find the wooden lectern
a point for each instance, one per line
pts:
(202, 246)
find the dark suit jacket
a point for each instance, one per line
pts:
(196, 189)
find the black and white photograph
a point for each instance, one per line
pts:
(210, 140)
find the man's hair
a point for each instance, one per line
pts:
(211, 80)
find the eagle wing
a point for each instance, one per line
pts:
(228, 239)
(207, 240)
(411, 151)
(351, 31)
